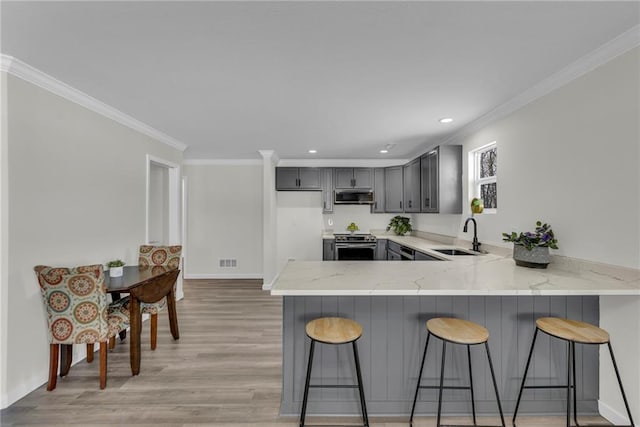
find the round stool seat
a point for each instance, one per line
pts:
(573, 330)
(333, 330)
(457, 330)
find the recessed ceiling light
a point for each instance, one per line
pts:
(313, 151)
(446, 120)
(384, 151)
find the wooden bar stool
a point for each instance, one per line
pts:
(573, 332)
(456, 331)
(334, 330)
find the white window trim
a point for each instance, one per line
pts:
(476, 181)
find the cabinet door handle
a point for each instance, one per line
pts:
(400, 205)
(409, 203)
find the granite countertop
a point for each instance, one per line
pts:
(485, 274)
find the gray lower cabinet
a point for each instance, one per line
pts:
(441, 180)
(353, 178)
(381, 250)
(378, 191)
(421, 256)
(327, 190)
(328, 249)
(302, 179)
(393, 189)
(394, 252)
(411, 180)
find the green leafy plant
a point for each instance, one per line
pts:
(541, 237)
(400, 225)
(352, 227)
(115, 263)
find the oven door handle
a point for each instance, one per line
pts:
(355, 245)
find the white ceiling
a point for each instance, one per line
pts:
(345, 78)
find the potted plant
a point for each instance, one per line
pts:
(352, 228)
(400, 225)
(115, 268)
(531, 249)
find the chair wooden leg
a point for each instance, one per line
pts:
(66, 357)
(89, 353)
(112, 342)
(154, 331)
(53, 366)
(103, 365)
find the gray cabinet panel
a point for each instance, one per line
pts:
(421, 256)
(310, 178)
(378, 191)
(327, 190)
(441, 180)
(363, 178)
(303, 179)
(328, 249)
(286, 178)
(353, 178)
(381, 250)
(412, 186)
(393, 189)
(393, 340)
(429, 178)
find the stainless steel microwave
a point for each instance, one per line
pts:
(354, 197)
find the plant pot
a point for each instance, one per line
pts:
(538, 257)
(115, 271)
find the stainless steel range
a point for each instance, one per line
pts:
(355, 247)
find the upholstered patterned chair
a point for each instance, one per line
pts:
(78, 313)
(154, 256)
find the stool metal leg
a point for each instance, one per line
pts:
(415, 398)
(495, 384)
(306, 384)
(624, 396)
(444, 349)
(574, 386)
(473, 403)
(365, 417)
(524, 377)
(568, 383)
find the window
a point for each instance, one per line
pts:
(485, 175)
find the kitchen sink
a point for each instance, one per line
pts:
(454, 252)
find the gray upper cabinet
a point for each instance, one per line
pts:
(441, 176)
(412, 186)
(378, 191)
(393, 189)
(307, 179)
(353, 178)
(327, 190)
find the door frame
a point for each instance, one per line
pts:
(175, 205)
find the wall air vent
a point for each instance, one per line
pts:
(228, 262)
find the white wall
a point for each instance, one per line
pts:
(571, 159)
(76, 195)
(299, 224)
(224, 220)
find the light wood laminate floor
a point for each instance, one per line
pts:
(224, 371)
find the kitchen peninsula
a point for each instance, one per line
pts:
(392, 301)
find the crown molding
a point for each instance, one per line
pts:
(222, 162)
(330, 163)
(34, 76)
(623, 43)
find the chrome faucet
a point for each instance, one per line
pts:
(476, 244)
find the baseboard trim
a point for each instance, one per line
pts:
(223, 276)
(613, 416)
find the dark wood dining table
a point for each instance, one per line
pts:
(145, 284)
